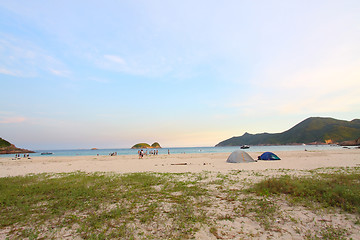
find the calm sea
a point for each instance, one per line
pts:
(127, 151)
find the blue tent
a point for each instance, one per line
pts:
(268, 156)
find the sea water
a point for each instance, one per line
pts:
(178, 150)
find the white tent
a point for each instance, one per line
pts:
(239, 156)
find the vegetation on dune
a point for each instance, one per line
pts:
(172, 206)
(100, 206)
(340, 190)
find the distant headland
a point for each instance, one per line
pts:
(8, 148)
(145, 145)
(313, 130)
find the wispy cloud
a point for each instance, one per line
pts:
(7, 72)
(132, 65)
(115, 59)
(7, 117)
(329, 87)
(7, 120)
(61, 73)
(26, 59)
(99, 80)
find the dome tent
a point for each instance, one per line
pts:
(239, 156)
(268, 156)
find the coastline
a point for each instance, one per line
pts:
(175, 150)
(239, 216)
(178, 163)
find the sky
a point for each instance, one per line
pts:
(110, 74)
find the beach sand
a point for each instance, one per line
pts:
(175, 163)
(291, 221)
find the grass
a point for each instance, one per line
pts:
(341, 189)
(171, 206)
(100, 206)
(329, 233)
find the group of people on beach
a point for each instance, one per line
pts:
(19, 155)
(141, 153)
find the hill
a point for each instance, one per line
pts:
(312, 130)
(8, 148)
(4, 143)
(145, 145)
(155, 145)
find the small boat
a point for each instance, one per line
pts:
(244, 147)
(47, 153)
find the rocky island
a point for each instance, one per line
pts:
(145, 145)
(8, 148)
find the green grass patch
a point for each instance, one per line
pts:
(101, 206)
(165, 205)
(328, 232)
(341, 189)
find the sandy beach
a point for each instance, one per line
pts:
(231, 219)
(178, 163)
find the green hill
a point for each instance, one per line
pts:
(311, 130)
(8, 148)
(141, 145)
(145, 145)
(155, 145)
(4, 143)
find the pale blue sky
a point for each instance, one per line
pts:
(82, 74)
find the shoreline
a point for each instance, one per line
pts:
(232, 214)
(175, 150)
(178, 163)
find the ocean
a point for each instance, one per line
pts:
(127, 151)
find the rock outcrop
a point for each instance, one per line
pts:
(351, 143)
